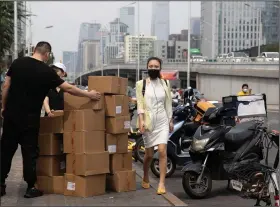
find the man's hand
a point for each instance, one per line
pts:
(94, 95)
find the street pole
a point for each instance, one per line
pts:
(118, 70)
(15, 31)
(138, 52)
(118, 32)
(260, 25)
(189, 45)
(102, 51)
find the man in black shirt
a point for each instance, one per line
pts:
(27, 83)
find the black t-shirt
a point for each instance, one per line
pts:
(56, 99)
(31, 80)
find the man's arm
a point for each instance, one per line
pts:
(5, 91)
(78, 92)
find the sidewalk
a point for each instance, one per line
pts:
(16, 188)
(273, 108)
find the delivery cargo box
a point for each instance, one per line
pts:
(118, 125)
(51, 165)
(78, 103)
(87, 164)
(49, 125)
(50, 144)
(116, 143)
(108, 84)
(51, 184)
(121, 181)
(81, 186)
(116, 105)
(84, 120)
(120, 162)
(84, 142)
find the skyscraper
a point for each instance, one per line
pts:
(160, 20)
(127, 16)
(88, 31)
(230, 26)
(195, 25)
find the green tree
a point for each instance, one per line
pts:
(7, 25)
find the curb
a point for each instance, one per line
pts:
(171, 198)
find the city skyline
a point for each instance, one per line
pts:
(68, 23)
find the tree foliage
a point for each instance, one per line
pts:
(7, 25)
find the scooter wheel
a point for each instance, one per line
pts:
(139, 150)
(171, 167)
(194, 190)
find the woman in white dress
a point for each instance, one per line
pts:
(154, 119)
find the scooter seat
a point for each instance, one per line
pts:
(240, 133)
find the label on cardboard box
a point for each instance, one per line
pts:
(118, 109)
(62, 165)
(127, 124)
(71, 186)
(112, 148)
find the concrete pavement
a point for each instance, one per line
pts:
(16, 188)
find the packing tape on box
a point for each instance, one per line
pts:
(73, 141)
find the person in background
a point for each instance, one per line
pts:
(155, 122)
(245, 90)
(26, 85)
(175, 94)
(55, 100)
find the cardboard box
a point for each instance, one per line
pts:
(84, 120)
(51, 185)
(49, 125)
(89, 186)
(116, 105)
(51, 165)
(84, 142)
(78, 103)
(108, 84)
(58, 113)
(123, 86)
(121, 181)
(50, 144)
(116, 143)
(120, 162)
(87, 164)
(118, 125)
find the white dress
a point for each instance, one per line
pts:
(155, 100)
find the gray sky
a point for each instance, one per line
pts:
(66, 18)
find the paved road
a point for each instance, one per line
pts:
(220, 196)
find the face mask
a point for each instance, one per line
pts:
(153, 73)
(245, 90)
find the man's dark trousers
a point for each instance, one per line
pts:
(25, 134)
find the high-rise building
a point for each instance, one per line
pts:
(91, 55)
(127, 16)
(160, 20)
(271, 20)
(171, 49)
(233, 26)
(131, 48)
(88, 31)
(70, 62)
(195, 25)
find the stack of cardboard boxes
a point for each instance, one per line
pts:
(51, 161)
(88, 137)
(87, 162)
(121, 177)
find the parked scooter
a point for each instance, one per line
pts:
(179, 140)
(178, 123)
(220, 152)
